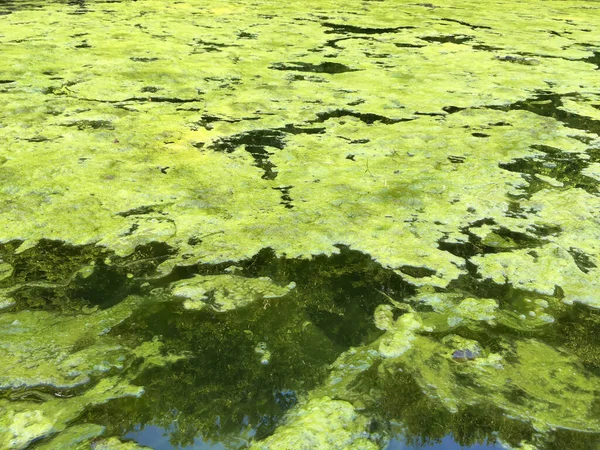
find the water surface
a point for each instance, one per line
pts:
(368, 224)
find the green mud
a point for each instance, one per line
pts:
(310, 225)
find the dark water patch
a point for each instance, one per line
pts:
(426, 422)
(54, 275)
(255, 138)
(377, 55)
(367, 118)
(63, 90)
(516, 239)
(429, 114)
(140, 211)
(575, 330)
(310, 78)
(528, 60)
(151, 89)
(324, 67)
(207, 120)
(452, 109)
(7, 81)
(545, 230)
(246, 35)
(447, 39)
(155, 100)
(332, 43)
(286, 199)
(480, 135)
(244, 368)
(548, 105)
(595, 59)
(498, 240)
(37, 139)
(84, 44)
(222, 389)
(563, 167)
(486, 48)
(143, 59)
(224, 386)
(516, 211)
(256, 143)
(344, 29)
(202, 46)
(417, 272)
(90, 124)
(293, 129)
(584, 262)
(9, 6)
(406, 45)
(456, 159)
(466, 24)
(337, 290)
(463, 250)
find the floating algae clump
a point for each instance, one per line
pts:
(52, 361)
(321, 423)
(46, 349)
(450, 144)
(75, 437)
(220, 145)
(225, 292)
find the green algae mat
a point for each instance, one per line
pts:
(322, 225)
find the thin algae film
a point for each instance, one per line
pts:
(310, 225)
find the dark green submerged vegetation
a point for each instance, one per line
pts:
(234, 374)
(303, 226)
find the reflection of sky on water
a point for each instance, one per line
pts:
(158, 439)
(448, 443)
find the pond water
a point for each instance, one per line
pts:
(157, 438)
(366, 224)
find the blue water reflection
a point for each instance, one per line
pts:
(157, 438)
(447, 443)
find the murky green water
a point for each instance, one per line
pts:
(322, 225)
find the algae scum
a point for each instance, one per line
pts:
(319, 225)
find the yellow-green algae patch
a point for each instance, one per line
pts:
(321, 423)
(77, 437)
(452, 142)
(47, 349)
(48, 354)
(523, 383)
(116, 120)
(225, 292)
